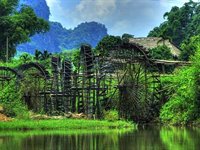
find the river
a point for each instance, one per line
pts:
(147, 138)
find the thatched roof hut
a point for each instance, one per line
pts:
(153, 42)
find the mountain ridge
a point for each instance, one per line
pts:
(58, 37)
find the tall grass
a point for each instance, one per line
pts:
(63, 124)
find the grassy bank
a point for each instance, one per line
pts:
(29, 133)
(63, 124)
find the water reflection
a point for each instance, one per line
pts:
(141, 139)
(83, 141)
(181, 138)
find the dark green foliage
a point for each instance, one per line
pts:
(189, 47)
(7, 7)
(181, 24)
(107, 43)
(161, 52)
(127, 36)
(12, 100)
(71, 55)
(17, 26)
(25, 58)
(43, 58)
(45, 55)
(183, 106)
(180, 107)
(37, 54)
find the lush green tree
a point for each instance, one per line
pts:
(107, 43)
(181, 23)
(17, 26)
(45, 55)
(25, 57)
(189, 47)
(37, 54)
(127, 36)
(161, 52)
(42, 55)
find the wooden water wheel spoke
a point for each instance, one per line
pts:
(35, 77)
(9, 75)
(86, 102)
(138, 85)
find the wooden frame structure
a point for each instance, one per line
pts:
(126, 71)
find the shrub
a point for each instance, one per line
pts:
(183, 107)
(161, 52)
(111, 115)
(11, 99)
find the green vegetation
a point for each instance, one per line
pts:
(127, 36)
(181, 24)
(186, 136)
(183, 106)
(37, 132)
(11, 100)
(17, 26)
(108, 42)
(163, 138)
(189, 48)
(161, 52)
(42, 55)
(64, 139)
(63, 124)
(111, 115)
(182, 28)
(12, 95)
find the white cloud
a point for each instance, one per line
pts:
(95, 9)
(136, 17)
(56, 9)
(52, 3)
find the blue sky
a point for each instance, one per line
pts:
(135, 17)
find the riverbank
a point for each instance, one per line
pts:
(65, 124)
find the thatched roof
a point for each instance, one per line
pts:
(153, 42)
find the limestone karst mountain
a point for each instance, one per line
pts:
(58, 37)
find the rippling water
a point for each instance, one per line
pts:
(141, 139)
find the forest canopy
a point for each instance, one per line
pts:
(180, 26)
(181, 23)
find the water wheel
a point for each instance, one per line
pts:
(137, 82)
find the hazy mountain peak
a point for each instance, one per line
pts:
(58, 37)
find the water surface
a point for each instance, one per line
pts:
(141, 139)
